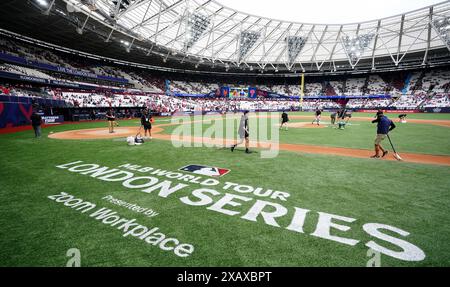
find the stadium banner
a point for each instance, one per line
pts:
(252, 93)
(18, 77)
(191, 95)
(15, 114)
(12, 76)
(274, 95)
(437, 110)
(69, 85)
(34, 64)
(27, 100)
(391, 111)
(225, 92)
(53, 119)
(373, 97)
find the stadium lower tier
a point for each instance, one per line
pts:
(168, 103)
(78, 106)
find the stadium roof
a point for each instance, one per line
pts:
(206, 33)
(336, 12)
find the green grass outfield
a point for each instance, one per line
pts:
(37, 231)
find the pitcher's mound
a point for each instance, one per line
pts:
(101, 133)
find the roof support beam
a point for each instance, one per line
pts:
(133, 6)
(335, 44)
(116, 9)
(182, 34)
(285, 47)
(159, 18)
(260, 43)
(264, 39)
(430, 20)
(400, 38)
(276, 42)
(47, 12)
(109, 36)
(225, 33)
(319, 44)
(158, 15)
(181, 19)
(210, 36)
(375, 44)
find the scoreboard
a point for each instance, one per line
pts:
(238, 92)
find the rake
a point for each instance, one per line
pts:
(139, 131)
(396, 155)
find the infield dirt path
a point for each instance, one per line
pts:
(121, 132)
(443, 123)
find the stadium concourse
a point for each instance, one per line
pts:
(221, 138)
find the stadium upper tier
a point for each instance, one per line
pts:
(53, 68)
(204, 35)
(29, 70)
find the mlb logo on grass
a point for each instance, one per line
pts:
(205, 170)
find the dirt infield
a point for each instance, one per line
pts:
(304, 125)
(102, 133)
(120, 132)
(442, 123)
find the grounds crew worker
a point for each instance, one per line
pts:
(111, 117)
(384, 126)
(146, 122)
(243, 133)
(36, 121)
(333, 117)
(284, 120)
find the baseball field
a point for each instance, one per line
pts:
(317, 199)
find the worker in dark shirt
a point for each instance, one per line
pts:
(385, 125)
(341, 114)
(92, 115)
(284, 120)
(146, 122)
(244, 133)
(317, 118)
(333, 117)
(36, 121)
(402, 118)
